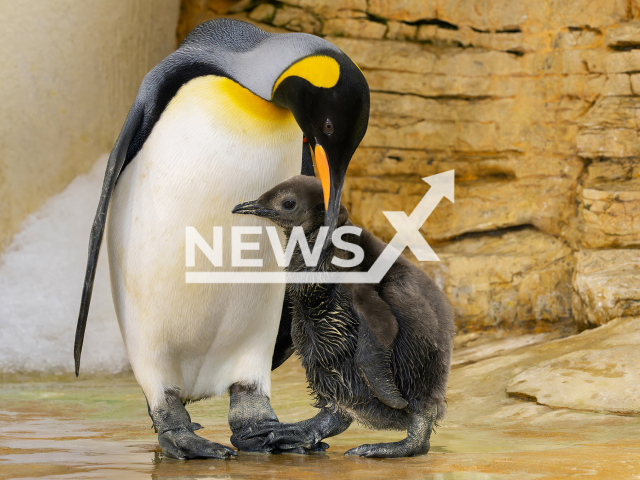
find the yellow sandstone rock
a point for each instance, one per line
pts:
(609, 204)
(515, 280)
(405, 10)
(400, 31)
(492, 191)
(602, 374)
(329, 8)
(296, 19)
(354, 27)
(606, 286)
(610, 213)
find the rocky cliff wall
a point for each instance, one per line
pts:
(536, 105)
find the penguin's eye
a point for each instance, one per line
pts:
(327, 127)
(289, 204)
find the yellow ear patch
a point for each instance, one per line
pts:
(319, 70)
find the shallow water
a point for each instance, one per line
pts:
(97, 427)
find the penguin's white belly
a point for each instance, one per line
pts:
(206, 154)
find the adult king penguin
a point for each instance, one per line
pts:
(219, 121)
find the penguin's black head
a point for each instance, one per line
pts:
(329, 98)
(296, 202)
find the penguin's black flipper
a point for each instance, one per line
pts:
(376, 335)
(374, 365)
(284, 343)
(114, 166)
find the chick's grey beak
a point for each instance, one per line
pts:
(254, 208)
(331, 213)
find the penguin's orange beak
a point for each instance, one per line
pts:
(322, 164)
(332, 181)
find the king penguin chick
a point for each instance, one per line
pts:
(331, 333)
(218, 121)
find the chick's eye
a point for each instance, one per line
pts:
(327, 127)
(289, 204)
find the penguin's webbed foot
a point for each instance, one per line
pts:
(250, 411)
(403, 448)
(183, 444)
(294, 438)
(278, 438)
(416, 443)
(175, 432)
(320, 447)
(246, 440)
(303, 437)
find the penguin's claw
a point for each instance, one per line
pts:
(303, 437)
(388, 450)
(183, 444)
(248, 440)
(319, 447)
(288, 436)
(285, 438)
(260, 431)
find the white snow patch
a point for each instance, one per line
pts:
(41, 277)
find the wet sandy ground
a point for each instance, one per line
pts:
(97, 427)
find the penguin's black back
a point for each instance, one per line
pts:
(196, 56)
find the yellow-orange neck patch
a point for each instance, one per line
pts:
(235, 109)
(251, 104)
(319, 70)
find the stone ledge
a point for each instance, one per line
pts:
(603, 376)
(610, 128)
(354, 27)
(519, 279)
(605, 286)
(405, 10)
(329, 8)
(609, 210)
(626, 35)
(294, 19)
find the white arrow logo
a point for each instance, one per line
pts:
(408, 227)
(408, 235)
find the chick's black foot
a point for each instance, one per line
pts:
(274, 437)
(245, 439)
(303, 437)
(403, 448)
(175, 433)
(416, 443)
(294, 438)
(320, 447)
(250, 412)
